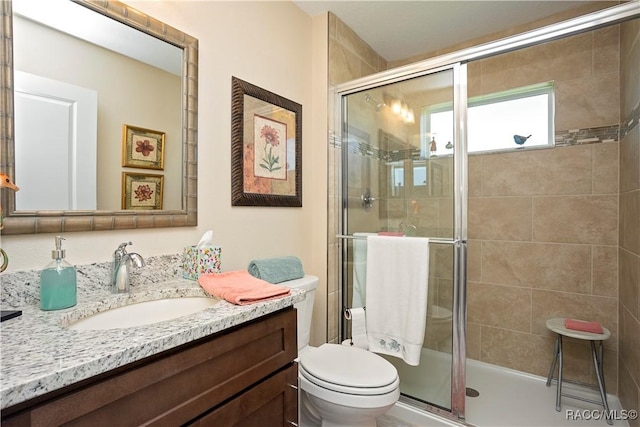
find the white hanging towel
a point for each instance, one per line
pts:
(360, 269)
(396, 299)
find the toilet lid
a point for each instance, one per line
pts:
(348, 366)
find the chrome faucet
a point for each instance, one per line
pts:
(122, 262)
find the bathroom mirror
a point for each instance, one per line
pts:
(176, 136)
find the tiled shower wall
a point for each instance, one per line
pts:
(543, 224)
(629, 229)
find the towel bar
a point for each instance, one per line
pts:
(431, 239)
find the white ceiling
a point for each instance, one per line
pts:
(399, 29)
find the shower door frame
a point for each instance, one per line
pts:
(457, 61)
(459, 239)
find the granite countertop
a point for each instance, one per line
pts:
(39, 354)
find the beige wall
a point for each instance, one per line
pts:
(629, 228)
(270, 44)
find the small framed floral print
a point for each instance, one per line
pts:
(142, 148)
(266, 148)
(142, 192)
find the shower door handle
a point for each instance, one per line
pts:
(367, 199)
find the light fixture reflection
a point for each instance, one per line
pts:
(396, 106)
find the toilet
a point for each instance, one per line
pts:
(340, 385)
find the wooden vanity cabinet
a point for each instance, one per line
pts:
(244, 376)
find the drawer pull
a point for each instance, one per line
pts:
(293, 386)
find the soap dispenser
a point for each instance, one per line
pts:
(58, 286)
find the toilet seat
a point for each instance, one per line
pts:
(349, 370)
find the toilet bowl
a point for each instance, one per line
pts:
(347, 386)
(339, 385)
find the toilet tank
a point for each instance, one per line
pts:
(309, 284)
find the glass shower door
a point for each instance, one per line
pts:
(399, 178)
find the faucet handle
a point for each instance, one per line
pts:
(122, 248)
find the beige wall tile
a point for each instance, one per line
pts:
(333, 22)
(561, 170)
(560, 60)
(445, 293)
(550, 304)
(629, 66)
(441, 261)
(630, 344)
(630, 161)
(605, 168)
(474, 260)
(629, 266)
(537, 265)
(343, 65)
(350, 40)
(429, 213)
(628, 390)
(578, 363)
(475, 176)
(473, 340)
(630, 221)
(333, 301)
(500, 218)
(505, 307)
(445, 217)
(516, 350)
(606, 50)
(332, 257)
(508, 174)
(604, 264)
(474, 78)
(610, 358)
(576, 219)
(585, 110)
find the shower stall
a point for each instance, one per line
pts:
(416, 143)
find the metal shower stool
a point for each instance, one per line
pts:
(557, 325)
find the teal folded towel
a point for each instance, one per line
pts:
(276, 270)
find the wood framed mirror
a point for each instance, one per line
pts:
(179, 169)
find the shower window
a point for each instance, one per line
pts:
(517, 118)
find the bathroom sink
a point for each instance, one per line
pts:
(143, 313)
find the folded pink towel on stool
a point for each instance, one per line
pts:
(581, 325)
(240, 288)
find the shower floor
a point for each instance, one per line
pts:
(507, 398)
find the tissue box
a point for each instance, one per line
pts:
(197, 261)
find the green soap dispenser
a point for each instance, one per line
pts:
(58, 286)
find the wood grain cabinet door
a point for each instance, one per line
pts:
(271, 403)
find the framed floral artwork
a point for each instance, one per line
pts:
(266, 145)
(142, 148)
(142, 192)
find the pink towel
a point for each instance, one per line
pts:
(581, 325)
(391, 233)
(241, 288)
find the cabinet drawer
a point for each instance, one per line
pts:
(175, 386)
(271, 403)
